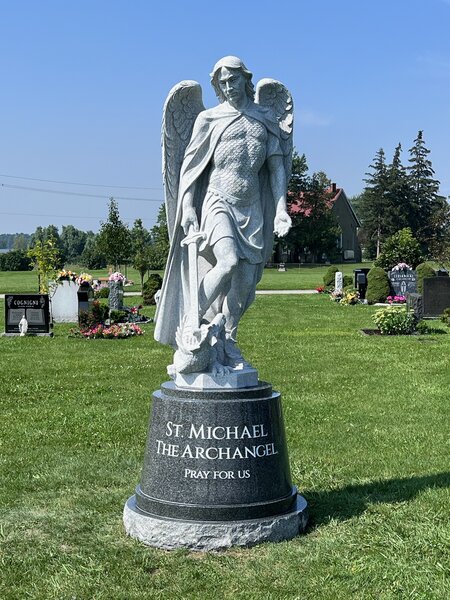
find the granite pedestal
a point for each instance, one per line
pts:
(216, 471)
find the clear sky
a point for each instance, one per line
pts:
(83, 82)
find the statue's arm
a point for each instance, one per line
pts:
(189, 216)
(277, 178)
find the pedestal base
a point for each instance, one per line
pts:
(170, 534)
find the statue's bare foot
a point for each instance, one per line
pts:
(219, 370)
(233, 355)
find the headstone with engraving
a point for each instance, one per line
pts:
(436, 295)
(338, 281)
(403, 281)
(36, 310)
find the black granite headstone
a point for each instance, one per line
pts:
(415, 303)
(436, 295)
(403, 282)
(85, 298)
(35, 308)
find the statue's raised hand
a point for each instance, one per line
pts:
(282, 223)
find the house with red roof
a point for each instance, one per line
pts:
(348, 247)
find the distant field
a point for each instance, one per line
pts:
(294, 278)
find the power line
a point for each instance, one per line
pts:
(12, 214)
(66, 193)
(120, 187)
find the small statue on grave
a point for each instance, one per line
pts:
(23, 326)
(225, 171)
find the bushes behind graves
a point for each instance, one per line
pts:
(423, 270)
(400, 247)
(151, 286)
(378, 287)
(118, 316)
(445, 317)
(347, 281)
(328, 278)
(102, 292)
(15, 260)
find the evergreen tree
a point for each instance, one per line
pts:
(372, 206)
(141, 249)
(398, 210)
(114, 239)
(159, 249)
(424, 193)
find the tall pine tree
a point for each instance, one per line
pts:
(424, 193)
(398, 210)
(372, 206)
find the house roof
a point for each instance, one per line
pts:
(297, 206)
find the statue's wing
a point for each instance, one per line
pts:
(275, 95)
(181, 108)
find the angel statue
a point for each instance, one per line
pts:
(225, 175)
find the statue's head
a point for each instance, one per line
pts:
(233, 63)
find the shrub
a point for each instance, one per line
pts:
(151, 286)
(347, 281)
(102, 292)
(378, 286)
(395, 320)
(445, 317)
(328, 278)
(400, 247)
(423, 270)
(118, 316)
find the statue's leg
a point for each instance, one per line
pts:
(220, 275)
(240, 295)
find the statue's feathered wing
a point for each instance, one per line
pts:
(275, 95)
(181, 108)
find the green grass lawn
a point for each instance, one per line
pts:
(303, 278)
(367, 420)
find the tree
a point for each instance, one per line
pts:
(46, 258)
(73, 241)
(372, 206)
(424, 192)
(15, 260)
(44, 234)
(114, 239)
(141, 249)
(398, 210)
(299, 173)
(159, 249)
(400, 247)
(91, 257)
(313, 224)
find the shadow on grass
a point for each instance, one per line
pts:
(353, 500)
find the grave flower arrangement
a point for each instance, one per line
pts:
(401, 266)
(64, 275)
(336, 295)
(350, 297)
(396, 299)
(84, 279)
(117, 276)
(124, 330)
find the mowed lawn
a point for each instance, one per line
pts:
(304, 277)
(367, 420)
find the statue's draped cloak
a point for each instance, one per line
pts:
(208, 128)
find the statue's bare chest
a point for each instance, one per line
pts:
(243, 141)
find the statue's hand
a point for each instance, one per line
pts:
(282, 223)
(189, 219)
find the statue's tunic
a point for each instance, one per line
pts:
(232, 206)
(225, 165)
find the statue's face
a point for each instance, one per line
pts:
(232, 84)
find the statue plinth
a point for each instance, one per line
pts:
(216, 471)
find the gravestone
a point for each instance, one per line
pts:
(403, 282)
(281, 267)
(338, 281)
(64, 302)
(36, 310)
(415, 304)
(85, 295)
(115, 298)
(436, 295)
(360, 281)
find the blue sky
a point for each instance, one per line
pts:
(82, 85)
